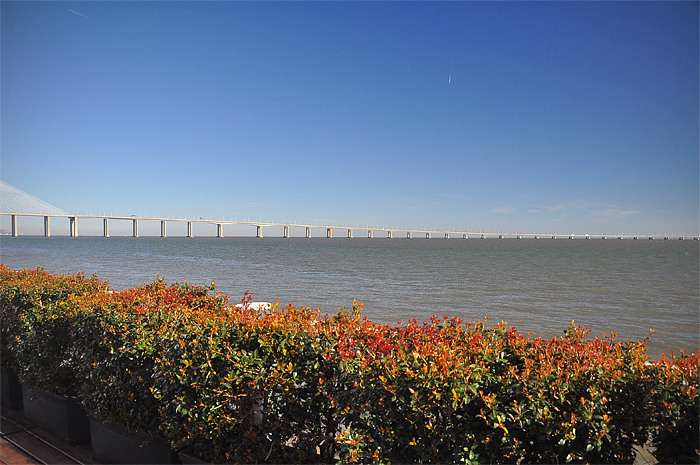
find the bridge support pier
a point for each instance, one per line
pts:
(408, 234)
(219, 230)
(73, 226)
(388, 234)
(349, 233)
(286, 232)
(163, 232)
(136, 228)
(189, 229)
(308, 232)
(447, 235)
(427, 235)
(464, 236)
(105, 227)
(259, 231)
(14, 225)
(47, 226)
(329, 233)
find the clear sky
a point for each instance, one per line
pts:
(563, 117)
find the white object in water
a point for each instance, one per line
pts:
(257, 305)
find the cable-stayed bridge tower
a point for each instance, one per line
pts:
(16, 202)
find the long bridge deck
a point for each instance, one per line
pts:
(329, 230)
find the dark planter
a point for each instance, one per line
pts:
(112, 444)
(10, 390)
(187, 456)
(60, 415)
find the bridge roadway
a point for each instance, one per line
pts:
(389, 232)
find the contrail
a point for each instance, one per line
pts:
(79, 14)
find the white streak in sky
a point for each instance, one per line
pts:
(79, 14)
(450, 79)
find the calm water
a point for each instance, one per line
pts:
(538, 286)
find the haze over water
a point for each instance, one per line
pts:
(538, 286)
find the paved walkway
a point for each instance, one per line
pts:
(22, 442)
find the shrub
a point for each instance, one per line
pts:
(442, 392)
(675, 411)
(566, 399)
(248, 386)
(407, 393)
(119, 336)
(35, 336)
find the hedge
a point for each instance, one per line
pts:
(32, 335)
(244, 385)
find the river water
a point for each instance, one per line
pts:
(538, 286)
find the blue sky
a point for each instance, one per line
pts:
(506, 116)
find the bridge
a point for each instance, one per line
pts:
(15, 203)
(330, 231)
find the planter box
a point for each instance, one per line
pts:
(62, 416)
(187, 456)
(11, 390)
(112, 444)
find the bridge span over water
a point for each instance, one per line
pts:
(330, 231)
(16, 203)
